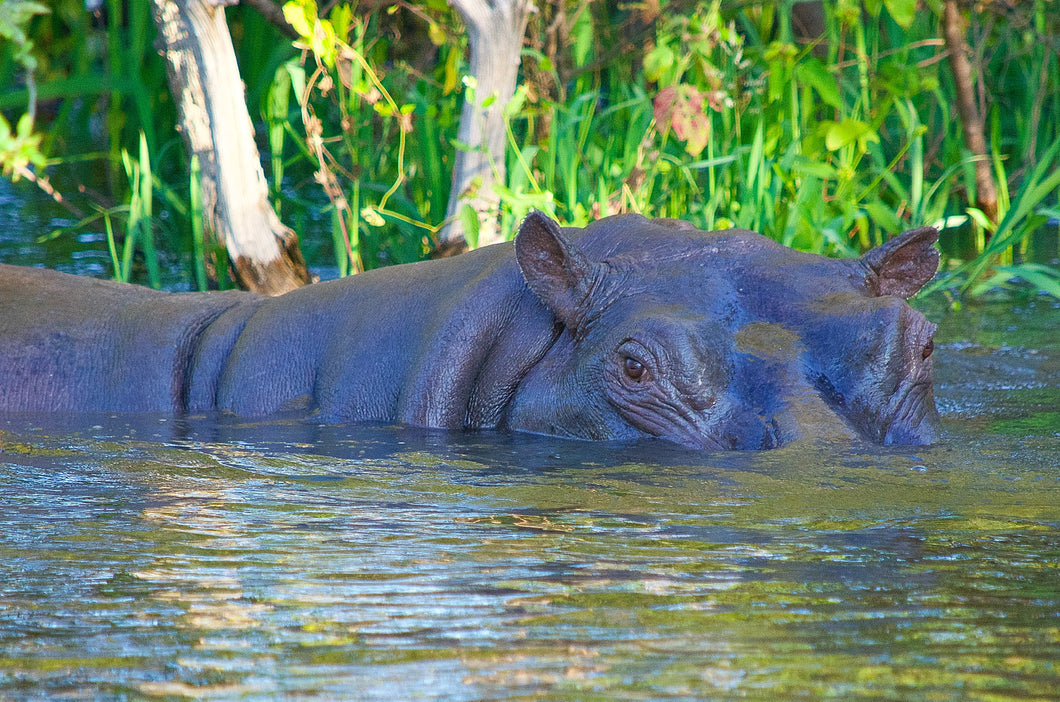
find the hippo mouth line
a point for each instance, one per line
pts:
(670, 421)
(713, 430)
(911, 409)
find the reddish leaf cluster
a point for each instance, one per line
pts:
(680, 108)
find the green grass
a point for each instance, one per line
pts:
(831, 149)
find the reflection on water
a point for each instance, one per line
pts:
(211, 558)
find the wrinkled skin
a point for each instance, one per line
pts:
(627, 329)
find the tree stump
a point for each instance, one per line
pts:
(205, 83)
(495, 38)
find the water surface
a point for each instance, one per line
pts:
(210, 558)
(152, 557)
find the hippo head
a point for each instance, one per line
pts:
(725, 340)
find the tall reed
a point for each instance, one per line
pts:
(715, 113)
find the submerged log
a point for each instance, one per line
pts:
(204, 80)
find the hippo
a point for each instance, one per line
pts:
(625, 329)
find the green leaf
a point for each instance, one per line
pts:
(296, 71)
(452, 74)
(981, 219)
(341, 17)
(436, 34)
(818, 169)
(25, 126)
(813, 73)
(16, 13)
(515, 105)
(712, 162)
(20, 148)
(903, 12)
(1042, 277)
(324, 43)
(470, 223)
(582, 33)
(845, 133)
(658, 61)
(883, 216)
(302, 15)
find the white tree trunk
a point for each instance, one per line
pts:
(495, 36)
(205, 82)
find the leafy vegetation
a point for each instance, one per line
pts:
(724, 114)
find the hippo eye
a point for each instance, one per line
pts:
(829, 392)
(635, 370)
(634, 364)
(929, 348)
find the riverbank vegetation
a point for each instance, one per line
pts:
(828, 138)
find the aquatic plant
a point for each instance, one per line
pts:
(722, 115)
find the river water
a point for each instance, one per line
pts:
(146, 557)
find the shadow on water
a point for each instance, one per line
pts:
(213, 557)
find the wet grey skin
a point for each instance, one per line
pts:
(628, 328)
(727, 340)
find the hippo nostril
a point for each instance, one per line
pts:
(748, 438)
(771, 435)
(829, 392)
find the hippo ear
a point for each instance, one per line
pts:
(554, 268)
(904, 264)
